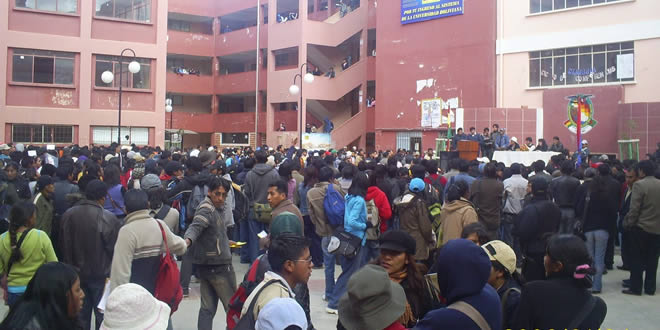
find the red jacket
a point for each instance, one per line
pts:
(442, 179)
(383, 205)
(395, 326)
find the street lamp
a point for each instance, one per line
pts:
(169, 109)
(107, 77)
(294, 90)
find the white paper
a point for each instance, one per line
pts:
(104, 298)
(50, 147)
(32, 153)
(625, 66)
(262, 234)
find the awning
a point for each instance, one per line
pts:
(185, 131)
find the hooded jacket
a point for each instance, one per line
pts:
(355, 217)
(44, 206)
(210, 244)
(463, 269)
(315, 197)
(414, 218)
(455, 216)
(383, 205)
(257, 182)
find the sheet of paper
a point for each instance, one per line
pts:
(104, 298)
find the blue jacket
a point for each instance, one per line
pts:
(355, 217)
(463, 269)
(462, 176)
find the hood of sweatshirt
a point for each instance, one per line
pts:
(373, 192)
(262, 169)
(457, 205)
(463, 269)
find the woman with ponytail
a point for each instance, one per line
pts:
(22, 250)
(564, 300)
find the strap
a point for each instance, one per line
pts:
(250, 310)
(18, 246)
(505, 297)
(472, 313)
(162, 213)
(115, 205)
(586, 202)
(586, 310)
(162, 231)
(252, 275)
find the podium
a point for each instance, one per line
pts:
(468, 150)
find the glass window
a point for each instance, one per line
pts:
(22, 68)
(67, 6)
(559, 74)
(571, 3)
(534, 6)
(43, 70)
(585, 69)
(63, 6)
(102, 66)
(140, 80)
(21, 133)
(546, 5)
(599, 68)
(42, 134)
(50, 5)
(534, 73)
(64, 71)
(560, 4)
(611, 66)
(572, 70)
(134, 10)
(235, 138)
(585, 2)
(546, 72)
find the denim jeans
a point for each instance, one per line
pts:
(12, 298)
(315, 241)
(329, 261)
(596, 244)
(348, 267)
(186, 270)
(506, 225)
(216, 283)
(372, 251)
(93, 292)
(249, 230)
(567, 221)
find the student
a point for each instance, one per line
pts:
(563, 301)
(52, 300)
(291, 264)
(457, 213)
(504, 278)
(132, 306)
(115, 198)
(23, 249)
(476, 233)
(43, 201)
(414, 218)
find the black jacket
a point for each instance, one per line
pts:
(87, 239)
(512, 301)
(554, 303)
(537, 221)
(62, 196)
(602, 208)
(563, 190)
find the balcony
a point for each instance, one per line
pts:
(197, 122)
(189, 43)
(189, 84)
(332, 34)
(240, 41)
(237, 83)
(331, 89)
(192, 7)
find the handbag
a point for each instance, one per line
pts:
(578, 226)
(262, 212)
(344, 243)
(4, 282)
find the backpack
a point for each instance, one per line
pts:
(196, 197)
(372, 216)
(179, 205)
(247, 322)
(241, 207)
(334, 206)
(168, 289)
(432, 200)
(162, 213)
(240, 296)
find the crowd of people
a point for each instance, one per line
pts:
(478, 246)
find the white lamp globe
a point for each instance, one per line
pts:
(294, 89)
(134, 67)
(107, 77)
(168, 108)
(168, 101)
(309, 78)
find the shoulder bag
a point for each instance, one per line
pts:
(4, 282)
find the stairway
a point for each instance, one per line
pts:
(350, 130)
(332, 89)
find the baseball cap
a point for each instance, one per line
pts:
(398, 240)
(416, 185)
(285, 222)
(281, 313)
(150, 181)
(502, 253)
(539, 186)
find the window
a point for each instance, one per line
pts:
(140, 80)
(538, 6)
(62, 6)
(609, 63)
(177, 100)
(42, 134)
(235, 138)
(177, 25)
(174, 63)
(42, 67)
(132, 10)
(105, 135)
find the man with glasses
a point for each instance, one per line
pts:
(209, 244)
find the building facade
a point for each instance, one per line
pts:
(55, 53)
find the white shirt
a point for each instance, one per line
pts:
(515, 189)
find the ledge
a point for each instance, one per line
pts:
(634, 82)
(121, 20)
(48, 12)
(133, 90)
(41, 85)
(578, 8)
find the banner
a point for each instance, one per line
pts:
(431, 113)
(413, 11)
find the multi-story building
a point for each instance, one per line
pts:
(55, 52)
(552, 50)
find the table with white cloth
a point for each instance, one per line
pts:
(522, 157)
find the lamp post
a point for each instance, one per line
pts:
(170, 110)
(294, 90)
(107, 77)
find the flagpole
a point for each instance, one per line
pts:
(579, 130)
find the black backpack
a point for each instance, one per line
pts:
(242, 207)
(247, 322)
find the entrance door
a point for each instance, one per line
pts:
(415, 143)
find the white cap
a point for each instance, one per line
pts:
(514, 139)
(281, 313)
(194, 153)
(585, 142)
(132, 307)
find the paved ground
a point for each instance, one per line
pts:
(624, 312)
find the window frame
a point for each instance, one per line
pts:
(38, 53)
(178, 23)
(115, 82)
(578, 53)
(234, 144)
(43, 128)
(45, 11)
(540, 10)
(125, 20)
(124, 129)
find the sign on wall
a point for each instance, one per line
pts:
(432, 113)
(413, 11)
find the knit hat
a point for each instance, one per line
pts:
(502, 253)
(207, 157)
(372, 300)
(398, 240)
(43, 181)
(150, 181)
(281, 313)
(416, 185)
(285, 222)
(172, 167)
(539, 186)
(132, 307)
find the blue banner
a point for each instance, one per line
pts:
(413, 11)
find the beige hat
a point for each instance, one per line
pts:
(502, 253)
(132, 307)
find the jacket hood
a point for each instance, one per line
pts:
(373, 192)
(463, 269)
(457, 205)
(198, 179)
(405, 200)
(138, 215)
(262, 169)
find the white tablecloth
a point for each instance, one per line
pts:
(522, 157)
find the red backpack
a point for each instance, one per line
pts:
(240, 296)
(168, 287)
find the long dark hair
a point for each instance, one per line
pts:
(111, 176)
(311, 175)
(572, 252)
(507, 275)
(359, 185)
(457, 190)
(415, 272)
(46, 299)
(157, 196)
(19, 215)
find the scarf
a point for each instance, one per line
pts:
(408, 317)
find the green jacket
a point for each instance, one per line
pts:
(645, 206)
(45, 211)
(36, 249)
